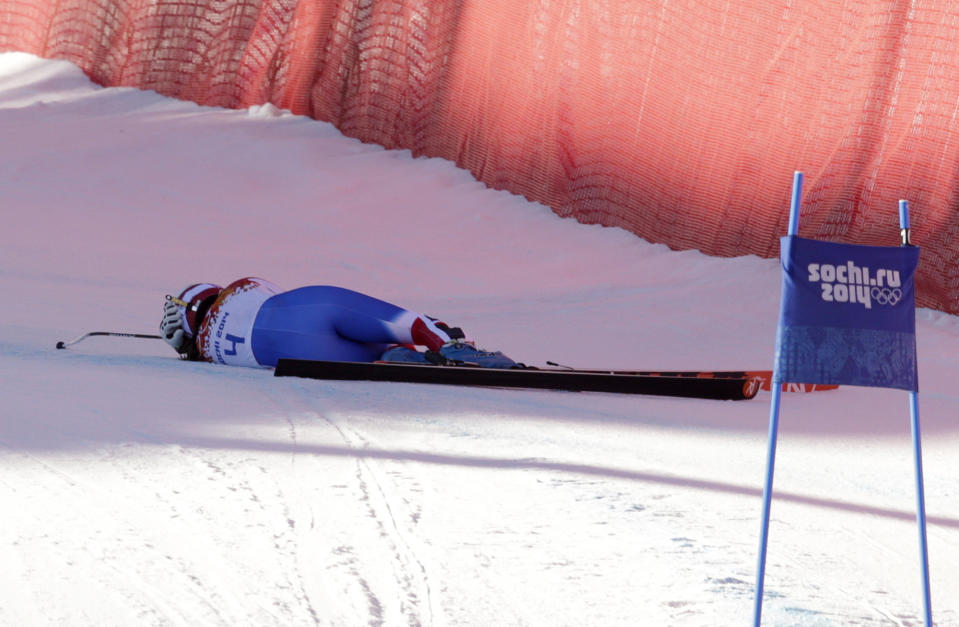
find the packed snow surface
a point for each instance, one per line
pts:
(137, 489)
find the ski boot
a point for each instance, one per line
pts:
(461, 352)
(400, 353)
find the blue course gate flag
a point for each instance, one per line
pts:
(847, 314)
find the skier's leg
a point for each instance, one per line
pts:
(327, 322)
(362, 318)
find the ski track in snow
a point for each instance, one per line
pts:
(140, 490)
(377, 491)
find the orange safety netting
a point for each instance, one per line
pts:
(681, 121)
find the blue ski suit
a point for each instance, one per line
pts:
(254, 323)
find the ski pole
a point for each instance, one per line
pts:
(146, 336)
(62, 344)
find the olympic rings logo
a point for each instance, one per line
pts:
(886, 296)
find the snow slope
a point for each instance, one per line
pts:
(140, 490)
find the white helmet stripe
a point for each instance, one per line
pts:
(187, 295)
(192, 291)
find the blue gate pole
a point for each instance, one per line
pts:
(767, 497)
(920, 507)
(917, 453)
(774, 406)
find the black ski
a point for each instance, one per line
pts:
(709, 387)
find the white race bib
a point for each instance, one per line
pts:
(224, 336)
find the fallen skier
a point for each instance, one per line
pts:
(327, 332)
(252, 322)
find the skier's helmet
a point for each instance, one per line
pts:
(198, 298)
